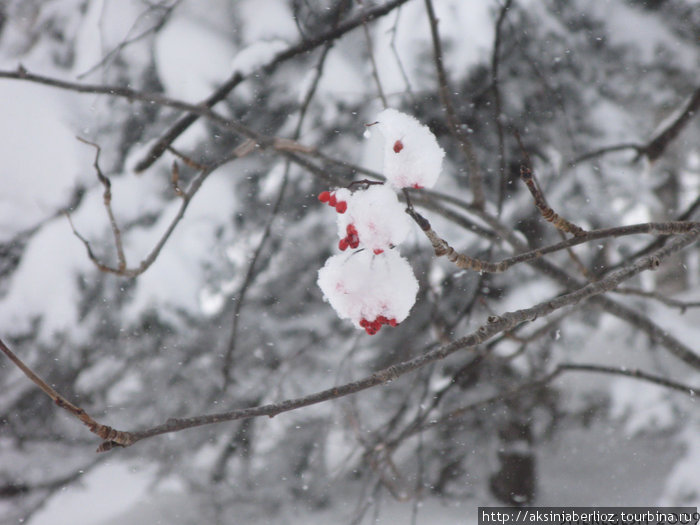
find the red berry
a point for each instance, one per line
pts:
(351, 230)
(343, 245)
(398, 146)
(392, 322)
(354, 242)
(418, 186)
(377, 251)
(324, 196)
(341, 207)
(332, 200)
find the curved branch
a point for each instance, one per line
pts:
(494, 325)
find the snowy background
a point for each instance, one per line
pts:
(230, 313)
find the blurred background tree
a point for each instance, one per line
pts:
(228, 315)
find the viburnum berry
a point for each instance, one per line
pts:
(398, 146)
(372, 327)
(351, 239)
(336, 199)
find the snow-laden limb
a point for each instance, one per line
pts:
(369, 289)
(412, 156)
(376, 217)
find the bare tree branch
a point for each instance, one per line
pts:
(442, 247)
(494, 325)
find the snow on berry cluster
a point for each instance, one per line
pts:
(372, 285)
(371, 290)
(412, 156)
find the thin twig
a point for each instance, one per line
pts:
(674, 303)
(475, 176)
(497, 105)
(548, 378)
(155, 28)
(372, 61)
(605, 150)
(107, 199)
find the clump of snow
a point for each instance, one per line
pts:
(377, 218)
(412, 156)
(370, 290)
(375, 286)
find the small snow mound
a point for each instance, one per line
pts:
(369, 289)
(412, 156)
(377, 218)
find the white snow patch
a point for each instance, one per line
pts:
(266, 20)
(41, 159)
(191, 59)
(44, 284)
(97, 498)
(643, 406)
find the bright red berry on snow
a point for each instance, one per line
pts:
(324, 196)
(341, 207)
(377, 251)
(398, 146)
(332, 200)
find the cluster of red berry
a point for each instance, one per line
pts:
(351, 239)
(372, 327)
(330, 198)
